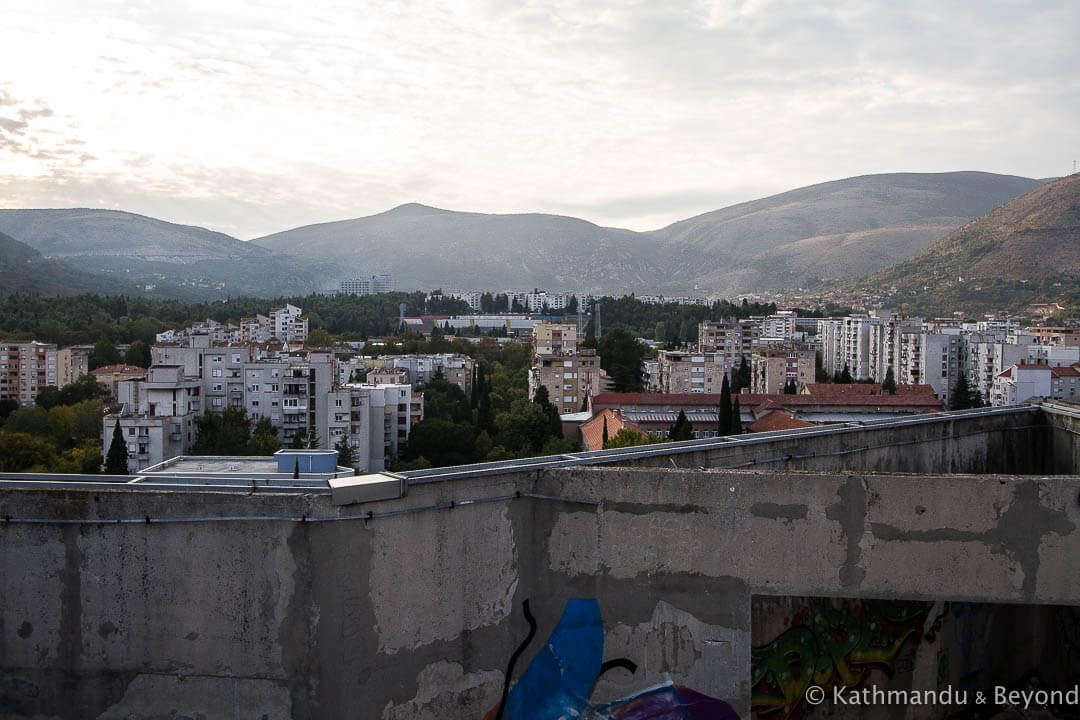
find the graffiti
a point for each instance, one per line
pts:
(830, 646)
(969, 634)
(562, 676)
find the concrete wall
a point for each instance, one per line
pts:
(415, 612)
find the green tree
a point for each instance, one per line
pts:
(7, 406)
(620, 355)
(264, 438)
(104, 353)
(889, 386)
(441, 442)
(85, 388)
(319, 338)
(346, 457)
(790, 388)
(138, 354)
(116, 461)
(552, 412)
(29, 420)
(62, 425)
(845, 376)
(626, 437)
(723, 424)
(682, 429)
(963, 395)
(48, 397)
(736, 417)
(22, 452)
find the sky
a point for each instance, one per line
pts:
(251, 119)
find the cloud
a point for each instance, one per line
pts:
(632, 114)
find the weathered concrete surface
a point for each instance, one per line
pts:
(417, 614)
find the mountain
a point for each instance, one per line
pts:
(24, 270)
(799, 238)
(1024, 251)
(427, 247)
(835, 229)
(146, 251)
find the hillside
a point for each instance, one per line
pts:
(1025, 251)
(837, 229)
(428, 248)
(143, 250)
(24, 270)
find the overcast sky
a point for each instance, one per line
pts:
(251, 120)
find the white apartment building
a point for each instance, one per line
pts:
(780, 325)
(289, 324)
(417, 369)
(380, 283)
(732, 338)
(771, 370)
(1020, 383)
(846, 342)
(157, 416)
(375, 420)
(934, 359)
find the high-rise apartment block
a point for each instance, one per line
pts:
(381, 283)
(771, 370)
(27, 367)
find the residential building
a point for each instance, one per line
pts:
(375, 420)
(109, 375)
(27, 367)
(682, 371)
(732, 338)
(418, 369)
(1020, 383)
(157, 416)
(570, 379)
(771, 370)
(289, 324)
(380, 283)
(551, 338)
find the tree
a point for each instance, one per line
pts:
(21, 452)
(7, 406)
(345, 455)
(736, 417)
(296, 469)
(441, 442)
(48, 397)
(116, 461)
(620, 355)
(889, 386)
(264, 438)
(845, 376)
(790, 388)
(740, 378)
(723, 425)
(138, 354)
(963, 395)
(552, 412)
(319, 338)
(681, 430)
(104, 353)
(604, 437)
(626, 437)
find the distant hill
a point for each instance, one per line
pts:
(1025, 251)
(139, 249)
(24, 270)
(427, 247)
(837, 229)
(801, 238)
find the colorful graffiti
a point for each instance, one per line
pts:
(562, 676)
(830, 646)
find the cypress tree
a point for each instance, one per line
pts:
(605, 436)
(889, 386)
(736, 417)
(296, 470)
(681, 430)
(116, 462)
(723, 425)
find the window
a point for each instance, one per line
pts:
(216, 372)
(131, 431)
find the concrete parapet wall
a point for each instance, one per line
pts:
(228, 606)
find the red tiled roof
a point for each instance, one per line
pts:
(114, 369)
(750, 400)
(864, 389)
(592, 430)
(1072, 371)
(778, 420)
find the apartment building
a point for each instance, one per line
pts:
(845, 342)
(771, 370)
(683, 371)
(27, 367)
(731, 338)
(570, 379)
(415, 370)
(380, 283)
(551, 338)
(289, 324)
(374, 420)
(157, 416)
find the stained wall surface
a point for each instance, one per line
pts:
(231, 606)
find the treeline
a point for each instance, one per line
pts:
(672, 323)
(84, 319)
(60, 434)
